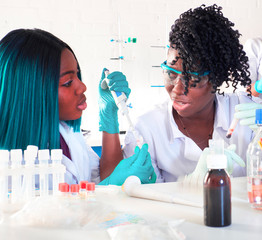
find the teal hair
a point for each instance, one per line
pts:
(29, 80)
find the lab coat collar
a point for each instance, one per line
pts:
(79, 165)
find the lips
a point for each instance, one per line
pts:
(82, 105)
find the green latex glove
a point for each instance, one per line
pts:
(197, 176)
(246, 113)
(108, 118)
(138, 165)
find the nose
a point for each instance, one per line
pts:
(81, 88)
(178, 86)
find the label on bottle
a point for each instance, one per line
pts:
(254, 188)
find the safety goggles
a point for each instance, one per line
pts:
(172, 77)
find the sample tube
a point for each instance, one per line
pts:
(90, 187)
(56, 161)
(82, 190)
(75, 190)
(29, 177)
(64, 189)
(43, 157)
(4, 155)
(33, 152)
(16, 166)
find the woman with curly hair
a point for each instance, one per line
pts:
(204, 53)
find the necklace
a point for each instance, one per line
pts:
(188, 135)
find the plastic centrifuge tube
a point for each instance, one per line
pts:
(33, 152)
(58, 177)
(90, 187)
(74, 189)
(64, 190)
(29, 177)
(43, 157)
(120, 100)
(82, 190)
(4, 155)
(16, 166)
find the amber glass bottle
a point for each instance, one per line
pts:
(217, 192)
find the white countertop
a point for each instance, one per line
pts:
(246, 222)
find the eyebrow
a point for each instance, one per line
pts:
(67, 72)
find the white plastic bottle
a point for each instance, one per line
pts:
(254, 166)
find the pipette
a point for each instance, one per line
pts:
(232, 127)
(120, 100)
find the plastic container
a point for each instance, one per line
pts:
(254, 166)
(217, 188)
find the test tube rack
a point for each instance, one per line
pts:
(18, 177)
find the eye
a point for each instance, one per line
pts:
(172, 75)
(68, 83)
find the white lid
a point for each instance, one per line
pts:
(4, 156)
(16, 154)
(217, 161)
(29, 155)
(43, 154)
(33, 149)
(56, 154)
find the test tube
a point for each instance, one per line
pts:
(75, 190)
(82, 190)
(33, 152)
(64, 189)
(29, 177)
(56, 160)
(90, 187)
(16, 166)
(43, 157)
(232, 127)
(4, 155)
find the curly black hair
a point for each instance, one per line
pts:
(206, 41)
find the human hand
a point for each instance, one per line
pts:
(246, 113)
(138, 165)
(108, 118)
(197, 176)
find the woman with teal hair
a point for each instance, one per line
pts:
(41, 103)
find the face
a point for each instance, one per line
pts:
(196, 100)
(71, 98)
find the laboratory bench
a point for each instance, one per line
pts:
(246, 221)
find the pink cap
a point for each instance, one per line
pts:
(75, 188)
(63, 187)
(90, 186)
(83, 184)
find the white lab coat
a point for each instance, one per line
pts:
(84, 164)
(253, 49)
(173, 154)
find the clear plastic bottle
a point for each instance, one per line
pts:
(217, 188)
(254, 166)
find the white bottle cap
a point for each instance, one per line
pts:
(33, 149)
(217, 161)
(56, 154)
(16, 155)
(29, 155)
(4, 156)
(43, 154)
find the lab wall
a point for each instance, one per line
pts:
(122, 35)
